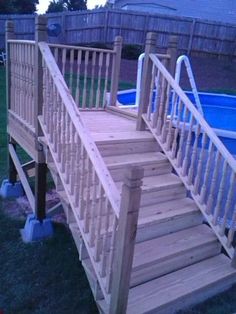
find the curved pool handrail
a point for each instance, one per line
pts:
(139, 78)
(184, 59)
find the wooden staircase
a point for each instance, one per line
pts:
(177, 258)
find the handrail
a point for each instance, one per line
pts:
(223, 150)
(201, 160)
(184, 59)
(92, 150)
(82, 48)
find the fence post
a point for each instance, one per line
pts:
(172, 51)
(9, 34)
(40, 165)
(115, 70)
(150, 47)
(126, 235)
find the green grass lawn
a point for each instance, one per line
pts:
(47, 277)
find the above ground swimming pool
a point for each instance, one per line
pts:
(219, 111)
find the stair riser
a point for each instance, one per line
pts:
(155, 196)
(149, 170)
(173, 263)
(153, 230)
(128, 148)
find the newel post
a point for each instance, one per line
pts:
(172, 51)
(40, 165)
(150, 47)
(115, 70)
(125, 241)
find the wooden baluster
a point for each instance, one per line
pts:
(54, 117)
(207, 173)
(188, 145)
(111, 254)
(84, 99)
(72, 160)
(72, 58)
(87, 216)
(31, 89)
(151, 113)
(98, 93)
(27, 89)
(156, 100)
(24, 83)
(93, 208)
(161, 106)
(59, 127)
(108, 55)
(170, 137)
(21, 81)
(77, 170)
(182, 138)
(229, 203)
(67, 148)
(63, 140)
(77, 93)
(105, 238)
(220, 193)
(190, 179)
(200, 166)
(50, 98)
(56, 54)
(82, 182)
(176, 133)
(91, 98)
(232, 229)
(99, 223)
(64, 62)
(165, 117)
(213, 184)
(44, 93)
(11, 77)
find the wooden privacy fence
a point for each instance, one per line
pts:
(195, 36)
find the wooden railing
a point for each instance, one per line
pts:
(92, 193)
(21, 80)
(90, 73)
(206, 167)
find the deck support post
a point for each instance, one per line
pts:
(172, 51)
(115, 70)
(37, 226)
(125, 240)
(40, 164)
(150, 47)
(10, 187)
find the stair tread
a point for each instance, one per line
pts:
(131, 136)
(161, 248)
(137, 158)
(159, 182)
(168, 209)
(173, 286)
(181, 288)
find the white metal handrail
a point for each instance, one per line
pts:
(185, 60)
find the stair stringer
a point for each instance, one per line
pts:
(208, 217)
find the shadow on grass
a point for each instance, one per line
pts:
(45, 277)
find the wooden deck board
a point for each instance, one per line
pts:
(105, 122)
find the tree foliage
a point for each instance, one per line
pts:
(18, 6)
(66, 5)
